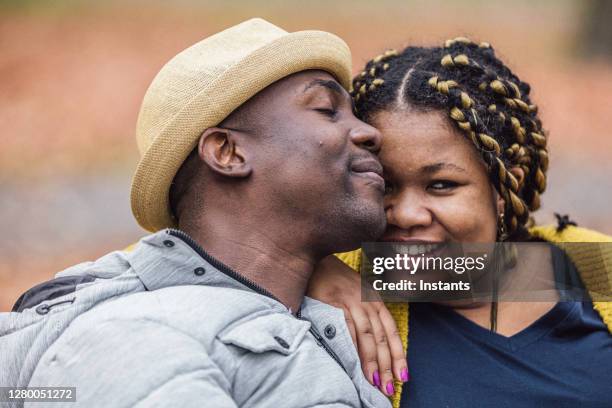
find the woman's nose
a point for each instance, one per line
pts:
(409, 214)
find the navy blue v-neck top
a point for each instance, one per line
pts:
(564, 359)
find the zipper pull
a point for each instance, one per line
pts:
(317, 336)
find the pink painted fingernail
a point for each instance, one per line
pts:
(390, 389)
(404, 374)
(376, 378)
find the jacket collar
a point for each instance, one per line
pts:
(171, 258)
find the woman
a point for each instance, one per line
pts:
(465, 160)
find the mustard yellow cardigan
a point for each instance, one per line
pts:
(594, 264)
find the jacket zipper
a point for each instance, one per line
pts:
(221, 266)
(321, 341)
(252, 285)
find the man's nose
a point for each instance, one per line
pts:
(366, 136)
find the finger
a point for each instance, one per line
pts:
(351, 326)
(396, 348)
(382, 352)
(349, 321)
(366, 344)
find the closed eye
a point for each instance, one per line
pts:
(327, 111)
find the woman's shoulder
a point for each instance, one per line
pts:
(570, 233)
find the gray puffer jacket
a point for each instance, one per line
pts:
(168, 325)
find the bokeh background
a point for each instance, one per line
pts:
(73, 73)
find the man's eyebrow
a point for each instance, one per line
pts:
(433, 168)
(326, 83)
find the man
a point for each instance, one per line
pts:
(250, 147)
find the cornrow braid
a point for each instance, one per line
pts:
(484, 99)
(368, 80)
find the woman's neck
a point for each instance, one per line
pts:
(512, 317)
(531, 278)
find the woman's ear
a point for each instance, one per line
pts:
(500, 203)
(218, 148)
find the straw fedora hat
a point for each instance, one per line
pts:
(202, 85)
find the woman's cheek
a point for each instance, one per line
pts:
(467, 219)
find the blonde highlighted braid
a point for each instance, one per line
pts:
(367, 80)
(486, 102)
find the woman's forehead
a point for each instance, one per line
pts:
(423, 137)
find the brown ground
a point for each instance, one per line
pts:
(71, 81)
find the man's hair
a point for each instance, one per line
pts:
(484, 100)
(182, 182)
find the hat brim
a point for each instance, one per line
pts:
(291, 53)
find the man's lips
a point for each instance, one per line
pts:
(370, 169)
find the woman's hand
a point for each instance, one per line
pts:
(371, 325)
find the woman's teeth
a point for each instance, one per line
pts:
(412, 249)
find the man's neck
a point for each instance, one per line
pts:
(283, 270)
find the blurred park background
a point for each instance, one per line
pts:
(73, 73)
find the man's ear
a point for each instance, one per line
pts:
(219, 150)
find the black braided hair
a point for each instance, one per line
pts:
(488, 103)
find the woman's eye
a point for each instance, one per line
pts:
(443, 185)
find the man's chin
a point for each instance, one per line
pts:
(370, 221)
(358, 217)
